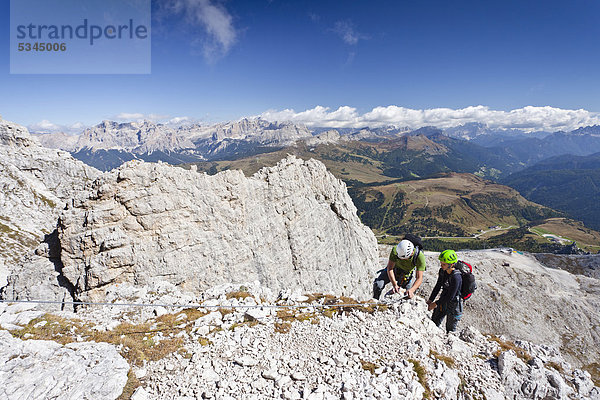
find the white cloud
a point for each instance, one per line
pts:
(46, 126)
(179, 120)
(343, 117)
(529, 118)
(157, 117)
(346, 31)
(314, 17)
(139, 117)
(216, 22)
(130, 116)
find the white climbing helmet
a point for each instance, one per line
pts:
(404, 249)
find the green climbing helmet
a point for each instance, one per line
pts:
(448, 257)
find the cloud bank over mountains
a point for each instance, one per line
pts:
(528, 118)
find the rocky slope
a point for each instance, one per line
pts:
(250, 349)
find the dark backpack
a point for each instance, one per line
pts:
(418, 243)
(468, 279)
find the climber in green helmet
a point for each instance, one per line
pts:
(450, 303)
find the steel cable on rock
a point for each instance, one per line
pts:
(89, 303)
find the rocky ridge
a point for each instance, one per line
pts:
(57, 140)
(291, 225)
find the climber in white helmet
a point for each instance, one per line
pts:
(405, 268)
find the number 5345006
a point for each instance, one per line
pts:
(41, 46)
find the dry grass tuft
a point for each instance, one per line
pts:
(58, 329)
(291, 315)
(507, 345)
(369, 366)
(193, 313)
(449, 361)
(240, 294)
(136, 342)
(132, 384)
(137, 345)
(225, 311)
(316, 297)
(554, 366)
(594, 370)
(422, 376)
(282, 327)
(330, 312)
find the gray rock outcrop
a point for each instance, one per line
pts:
(261, 131)
(57, 140)
(41, 369)
(289, 226)
(35, 184)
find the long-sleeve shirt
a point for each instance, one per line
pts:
(450, 285)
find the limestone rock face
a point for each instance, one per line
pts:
(147, 137)
(330, 136)
(289, 226)
(136, 137)
(39, 369)
(58, 140)
(35, 184)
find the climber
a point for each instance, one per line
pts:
(450, 303)
(405, 268)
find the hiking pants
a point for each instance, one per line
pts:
(406, 282)
(451, 311)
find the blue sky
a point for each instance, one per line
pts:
(511, 63)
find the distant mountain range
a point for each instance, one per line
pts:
(369, 155)
(109, 144)
(476, 145)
